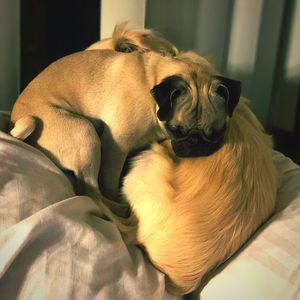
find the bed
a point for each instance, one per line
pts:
(55, 245)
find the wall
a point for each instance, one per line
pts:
(117, 11)
(286, 84)
(9, 52)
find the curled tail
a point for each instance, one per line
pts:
(120, 40)
(23, 127)
(130, 40)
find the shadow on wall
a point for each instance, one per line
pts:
(9, 52)
(194, 25)
(285, 114)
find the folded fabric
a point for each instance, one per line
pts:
(54, 245)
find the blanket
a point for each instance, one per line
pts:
(56, 245)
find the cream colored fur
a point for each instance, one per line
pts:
(193, 214)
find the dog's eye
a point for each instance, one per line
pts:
(222, 91)
(176, 130)
(213, 135)
(176, 93)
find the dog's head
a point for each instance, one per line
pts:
(195, 107)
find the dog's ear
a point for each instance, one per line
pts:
(166, 93)
(231, 93)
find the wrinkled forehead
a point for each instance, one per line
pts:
(200, 71)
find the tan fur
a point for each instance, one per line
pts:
(143, 39)
(193, 214)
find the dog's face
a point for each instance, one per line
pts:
(196, 109)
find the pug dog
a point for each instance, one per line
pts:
(130, 100)
(194, 213)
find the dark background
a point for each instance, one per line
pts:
(51, 30)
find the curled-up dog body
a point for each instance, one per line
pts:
(194, 213)
(88, 110)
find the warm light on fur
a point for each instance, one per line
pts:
(128, 40)
(195, 213)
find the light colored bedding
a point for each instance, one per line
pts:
(53, 245)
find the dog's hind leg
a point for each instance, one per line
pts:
(72, 142)
(23, 127)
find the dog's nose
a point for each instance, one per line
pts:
(212, 135)
(176, 131)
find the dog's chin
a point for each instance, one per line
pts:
(195, 145)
